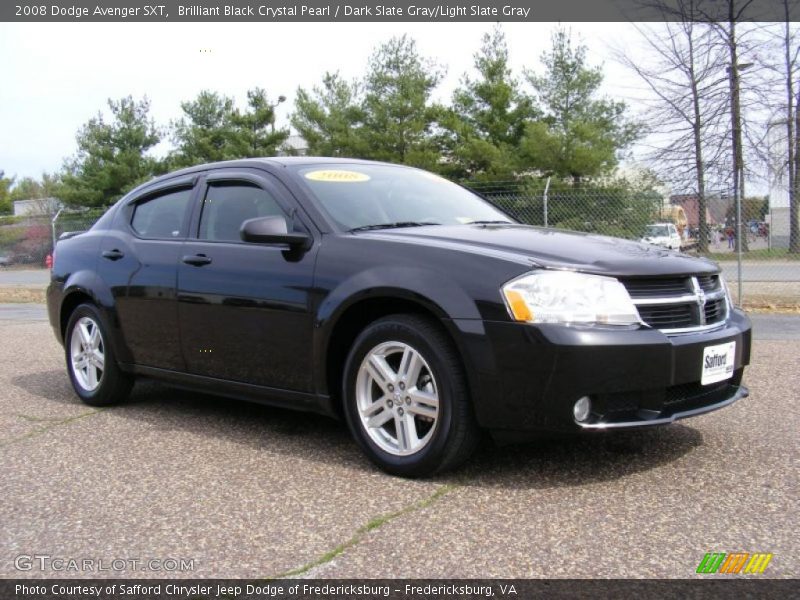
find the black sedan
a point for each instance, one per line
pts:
(410, 306)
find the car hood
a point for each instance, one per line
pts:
(554, 248)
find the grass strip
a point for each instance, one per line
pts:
(371, 525)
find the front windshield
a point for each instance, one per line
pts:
(656, 231)
(363, 196)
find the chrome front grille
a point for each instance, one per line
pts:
(708, 283)
(667, 316)
(649, 288)
(679, 304)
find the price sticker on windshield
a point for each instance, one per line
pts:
(718, 363)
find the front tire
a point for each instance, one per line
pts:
(406, 398)
(92, 367)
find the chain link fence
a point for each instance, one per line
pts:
(763, 275)
(26, 241)
(766, 276)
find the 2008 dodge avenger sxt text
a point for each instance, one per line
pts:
(408, 304)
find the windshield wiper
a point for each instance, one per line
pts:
(396, 225)
(489, 223)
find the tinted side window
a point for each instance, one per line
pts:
(161, 216)
(228, 205)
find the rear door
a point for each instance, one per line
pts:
(139, 263)
(243, 308)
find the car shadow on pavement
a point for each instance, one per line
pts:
(295, 434)
(162, 408)
(568, 461)
(578, 460)
(51, 385)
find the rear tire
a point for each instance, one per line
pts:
(92, 367)
(406, 398)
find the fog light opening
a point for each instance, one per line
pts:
(582, 409)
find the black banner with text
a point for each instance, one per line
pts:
(396, 10)
(407, 589)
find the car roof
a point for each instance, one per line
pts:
(277, 161)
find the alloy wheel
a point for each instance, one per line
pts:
(87, 354)
(397, 398)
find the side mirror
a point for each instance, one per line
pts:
(272, 230)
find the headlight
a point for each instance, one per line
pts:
(728, 295)
(569, 298)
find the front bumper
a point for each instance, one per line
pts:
(528, 377)
(665, 417)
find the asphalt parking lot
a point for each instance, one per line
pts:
(249, 491)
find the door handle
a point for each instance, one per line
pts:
(112, 254)
(198, 260)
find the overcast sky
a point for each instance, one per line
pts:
(55, 76)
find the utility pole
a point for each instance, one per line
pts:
(792, 130)
(736, 149)
(736, 142)
(794, 198)
(736, 139)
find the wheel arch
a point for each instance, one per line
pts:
(80, 289)
(343, 328)
(71, 301)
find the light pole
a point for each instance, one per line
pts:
(281, 99)
(546, 189)
(53, 226)
(263, 116)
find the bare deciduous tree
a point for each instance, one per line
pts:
(778, 145)
(684, 74)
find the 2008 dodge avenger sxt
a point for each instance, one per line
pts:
(409, 305)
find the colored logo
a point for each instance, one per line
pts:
(735, 562)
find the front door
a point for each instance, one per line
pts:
(244, 308)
